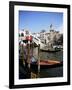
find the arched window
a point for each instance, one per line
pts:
(22, 34)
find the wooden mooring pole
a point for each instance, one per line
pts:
(22, 54)
(28, 58)
(38, 60)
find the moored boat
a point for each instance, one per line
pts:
(47, 64)
(50, 50)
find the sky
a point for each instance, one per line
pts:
(35, 21)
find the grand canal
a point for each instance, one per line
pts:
(48, 72)
(51, 72)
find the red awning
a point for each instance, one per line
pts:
(29, 38)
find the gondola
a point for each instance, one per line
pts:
(44, 64)
(50, 50)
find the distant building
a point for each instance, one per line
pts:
(36, 34)
(49, 38)
(23, 33)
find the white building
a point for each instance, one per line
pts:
(23, 33)
(44, 37)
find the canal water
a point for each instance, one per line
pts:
(51, 72)
(44, 73)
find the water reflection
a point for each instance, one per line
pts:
(52, 56)
(51, 72)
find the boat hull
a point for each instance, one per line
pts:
(49, 50)
(47, 65)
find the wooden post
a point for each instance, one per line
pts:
(32, 47)
(38, 60)
(22, 54)
(33, 75)
(28, 58)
